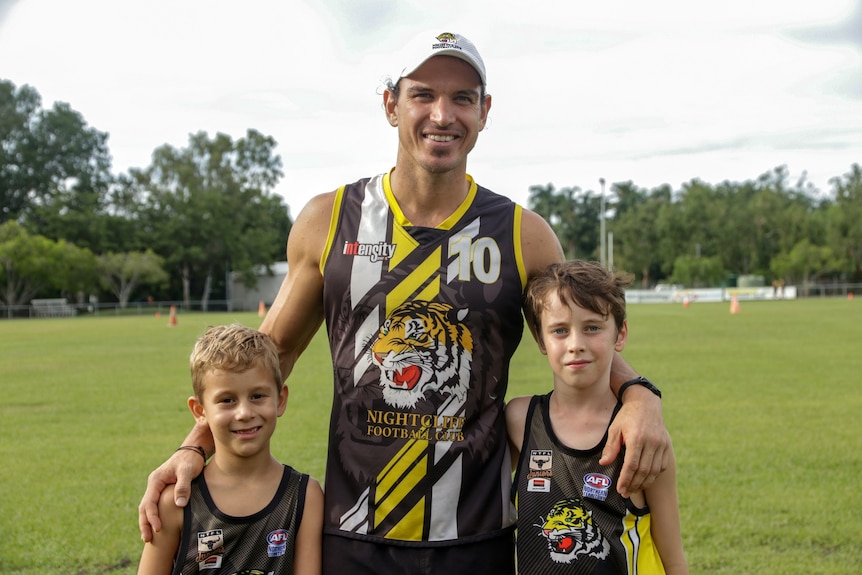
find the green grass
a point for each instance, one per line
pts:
(763, 406)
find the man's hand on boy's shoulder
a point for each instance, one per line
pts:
(640, 427)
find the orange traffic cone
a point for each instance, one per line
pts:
(261, 309)
(685, 300)
(172, 320)
(734, 304)
(850, 296)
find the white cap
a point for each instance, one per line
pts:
(429, 44)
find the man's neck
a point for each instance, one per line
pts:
(427, 199)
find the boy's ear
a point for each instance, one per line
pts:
(542, 347)
(282, 400)
(197, 409)
(622, 336)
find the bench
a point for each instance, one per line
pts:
(54, 307)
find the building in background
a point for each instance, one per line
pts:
(243, 298)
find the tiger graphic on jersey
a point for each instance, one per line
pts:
(422, 347)
(571, 533)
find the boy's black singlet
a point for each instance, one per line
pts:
(214, 543)
(571, 519)
(422, 323)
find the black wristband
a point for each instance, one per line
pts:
(197, 449)
(638, 381)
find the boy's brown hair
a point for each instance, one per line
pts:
(234, 348)
(582, 283)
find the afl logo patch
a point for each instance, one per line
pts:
(277, 543)
(596, 486)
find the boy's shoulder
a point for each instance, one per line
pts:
(516, 418)
(517, 407)
(170, 514)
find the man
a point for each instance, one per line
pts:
(419, 274)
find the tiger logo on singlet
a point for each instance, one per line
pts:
(423, 348)
(571, 533)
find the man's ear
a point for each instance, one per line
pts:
(486, 107)
(390, 101)
(197, 409)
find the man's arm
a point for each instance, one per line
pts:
(639, 425)
(291, 322)
(540, 248)
(297, 312)
(180, 468)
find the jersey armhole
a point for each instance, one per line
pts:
(519, 254)
(522, 458)
(333, 223)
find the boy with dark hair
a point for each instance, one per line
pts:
(571, 519)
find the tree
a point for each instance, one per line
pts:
(54, 168)
(122, 273)
(17, 177)
(638, 226)
(573, 215)
(698, 271)
(805, 262)
(208, 207)
(845, 220)
(32, 265)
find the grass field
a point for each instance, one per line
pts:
(764, 407)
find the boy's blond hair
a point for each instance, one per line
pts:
(585, 284)
(234, 348)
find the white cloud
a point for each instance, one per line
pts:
(652, 92)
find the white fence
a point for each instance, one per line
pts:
(682, 295)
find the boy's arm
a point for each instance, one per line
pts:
(516, 417)
(665, 528)
(309, 540)
(158, 555)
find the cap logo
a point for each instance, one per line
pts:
(446, 38)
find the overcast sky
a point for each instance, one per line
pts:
(659, 91)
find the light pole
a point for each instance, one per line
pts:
(603, 254)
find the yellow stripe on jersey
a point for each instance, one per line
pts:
(404, 244)
(397, 480)
(333, 221)
(412, 283)
(642, 557)
(519, 254)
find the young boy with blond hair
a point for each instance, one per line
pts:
(247, 513)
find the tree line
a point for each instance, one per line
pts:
(705, 235)
(176, 229)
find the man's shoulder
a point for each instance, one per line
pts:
(482, 191)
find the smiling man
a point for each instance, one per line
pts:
(421, 333)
